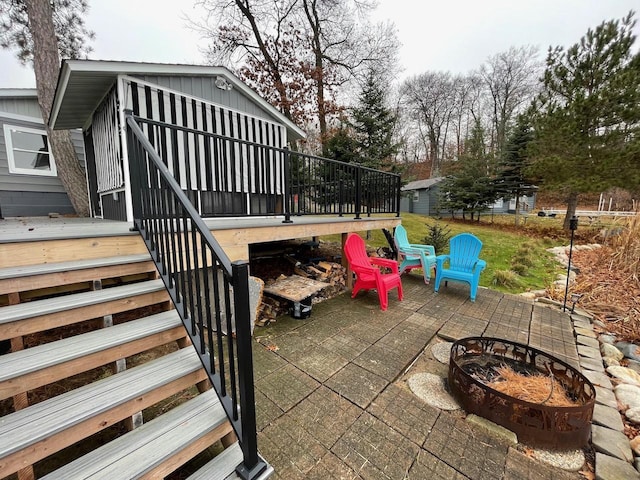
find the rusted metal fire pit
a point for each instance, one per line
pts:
(474, 359)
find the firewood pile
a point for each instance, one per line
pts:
(331, 273)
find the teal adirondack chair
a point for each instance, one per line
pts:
(463, 264)
(412, 255)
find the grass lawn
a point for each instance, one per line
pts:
(503, 245)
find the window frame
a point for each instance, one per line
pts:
(8, 131)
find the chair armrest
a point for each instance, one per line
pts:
(428, 249)
(385, 262)
(480, 265)
(440, 260)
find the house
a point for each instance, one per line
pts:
(94, 95)
(422, 197)
(29, 184)
(166, 145)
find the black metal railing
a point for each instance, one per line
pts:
(210, 293)
(224, 176)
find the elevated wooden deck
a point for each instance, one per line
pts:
(36, 240)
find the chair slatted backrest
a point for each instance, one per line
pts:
(356, 252)
(400, 235)
(464, 251)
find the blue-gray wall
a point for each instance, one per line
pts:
(30, 195)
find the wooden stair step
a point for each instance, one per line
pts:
(223, 466)
(46, 275)
(28, 435)
(44, 268)
(55, 311)
(33, 367)
(157, 448)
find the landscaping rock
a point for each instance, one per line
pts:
(598, 379)
(604, 396)
(609, 468)
(611, 351)
(588, 341)
(587, 332)
(629, 350)
(635, 445)
(628, 395)
(591, 364)
(633, 365)
(585, 351)
(612, 443)
(607, 338)
(607, 417)
(633, 415)
(610, 362)
(624, 374)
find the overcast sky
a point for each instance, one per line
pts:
(446, 35)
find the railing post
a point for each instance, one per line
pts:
(287, 186)
(398, 185)
(252, 465)
(134, 172)
(358, 192)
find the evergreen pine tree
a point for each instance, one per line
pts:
(512, 181)
(586, 120)
(373, 125)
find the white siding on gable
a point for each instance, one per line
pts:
(106, 141)
(231, 166)
(24, 106)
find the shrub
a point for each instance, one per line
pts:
(523, 259)
(520, 269)
(438, 236)
(505, 278)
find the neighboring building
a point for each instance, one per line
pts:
(93, 95)
(29, 184)
(422, 197)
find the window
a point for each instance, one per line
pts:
(28, 151)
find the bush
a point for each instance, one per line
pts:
(523, 259)
(438, 236)
(505, 278)
(520, 269)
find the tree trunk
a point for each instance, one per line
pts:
(517, 209)
(46, 65)
(572, 203)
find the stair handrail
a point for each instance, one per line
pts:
(178, 239)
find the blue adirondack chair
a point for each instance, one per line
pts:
(412, 255)
(463, 264)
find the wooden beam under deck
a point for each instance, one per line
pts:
(52, 240)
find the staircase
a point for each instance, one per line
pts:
(101, 380)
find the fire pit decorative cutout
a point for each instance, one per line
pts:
(477, 364)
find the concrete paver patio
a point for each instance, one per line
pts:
(332, 396)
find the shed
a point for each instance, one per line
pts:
(93, 95)
(422, 197)
(29, 183)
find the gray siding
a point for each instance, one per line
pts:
(34, 204)
(204, 88)
(21, 106)
(32, 195)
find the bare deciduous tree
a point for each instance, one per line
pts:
(307, 48)
(511, 81)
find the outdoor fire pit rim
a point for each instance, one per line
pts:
(569, 439)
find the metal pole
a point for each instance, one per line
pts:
(573, 225)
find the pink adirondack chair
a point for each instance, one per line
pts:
(368, 274)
